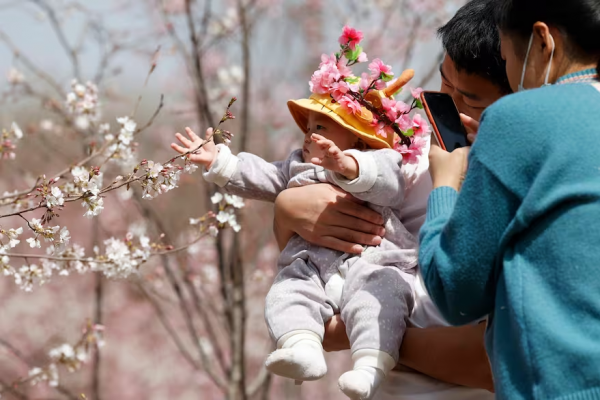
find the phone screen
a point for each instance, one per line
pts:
(446, 118)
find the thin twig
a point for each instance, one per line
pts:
(201, 93)
(189, 320)
(6, 387)
(24, 360)
(71, 52)
(30, 65)
(82, 162)
(98, 294)
(150, 71)
(169, 328)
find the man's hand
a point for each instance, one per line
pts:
(334, 159)
(472, 126)
(205, 155)
(335, 338)
(328, 217)
(448, 169)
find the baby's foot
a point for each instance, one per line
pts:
(361, 383)
(304, 361)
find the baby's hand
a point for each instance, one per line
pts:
(334, 159)
(205, 155)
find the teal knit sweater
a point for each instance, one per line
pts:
(521, 243)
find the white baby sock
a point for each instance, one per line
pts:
(299, 356)
(370, 368)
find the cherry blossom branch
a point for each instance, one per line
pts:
(12, 349)
(84, 161)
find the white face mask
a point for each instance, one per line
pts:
(521, 88)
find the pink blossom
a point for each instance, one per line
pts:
(342, 66)
(380, 85)
(365, 81)
(327, 60)
(380, 129)
(339, 89)
(402, 107)
(325, 76)
(389, 106)
(355, 87)
(350, 105)
(374, 121)
(404, 122)
(410, 154)
(362, 57)
(420, 125)
(351, 37)
(416, 93)
(377, 67)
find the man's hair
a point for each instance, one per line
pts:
(472, 41)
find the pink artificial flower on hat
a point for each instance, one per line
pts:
(325, 76)
(420, 125)
(383, 130)
(402, 107)
(339, 89)
(404, 123)
(389, 106)
(380, 84)
(342, 66)
(380, 130)
(350, 37)
(416, 93)
(410, 154)
(350, 105)
(377, 67)
(365, 81)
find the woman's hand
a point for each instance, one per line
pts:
(205, 155)
(448, 169)
(328, 217)
(472, 126)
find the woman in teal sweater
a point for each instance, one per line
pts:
(521, 242)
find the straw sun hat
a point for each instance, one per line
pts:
(359, 124)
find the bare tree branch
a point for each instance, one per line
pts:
(71, 52)
(24, 360)
(189, 320)
(201, 93)
(31, 66)
(169, 328)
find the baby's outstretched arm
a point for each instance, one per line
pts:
(334, 159)
(205, 155)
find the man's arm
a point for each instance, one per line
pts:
(326, 216)
(450, 354)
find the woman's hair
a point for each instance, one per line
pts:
(578, 20)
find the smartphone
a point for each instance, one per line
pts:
(449, 131)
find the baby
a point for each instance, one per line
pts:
(373, 291)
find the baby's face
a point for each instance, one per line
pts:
(329, 129)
